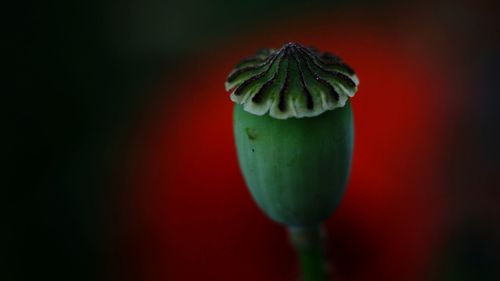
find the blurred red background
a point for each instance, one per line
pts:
(196, 220)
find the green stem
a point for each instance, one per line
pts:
(309, 245)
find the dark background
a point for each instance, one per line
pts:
(118, 158)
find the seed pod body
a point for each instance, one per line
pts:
(296, 169)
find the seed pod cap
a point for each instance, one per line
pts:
(293, 81)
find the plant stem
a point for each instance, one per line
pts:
(309, 244)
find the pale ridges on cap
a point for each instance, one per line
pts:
(293, 81)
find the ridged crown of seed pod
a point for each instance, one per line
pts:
(293, 81)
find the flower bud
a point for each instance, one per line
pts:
(293, 128)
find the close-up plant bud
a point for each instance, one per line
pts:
(294, 132)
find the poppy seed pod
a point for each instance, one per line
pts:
(293, 128)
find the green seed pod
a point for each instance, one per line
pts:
(293, 127)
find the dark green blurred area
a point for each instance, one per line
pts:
(80, 74)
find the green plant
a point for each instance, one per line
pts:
(293, 128)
